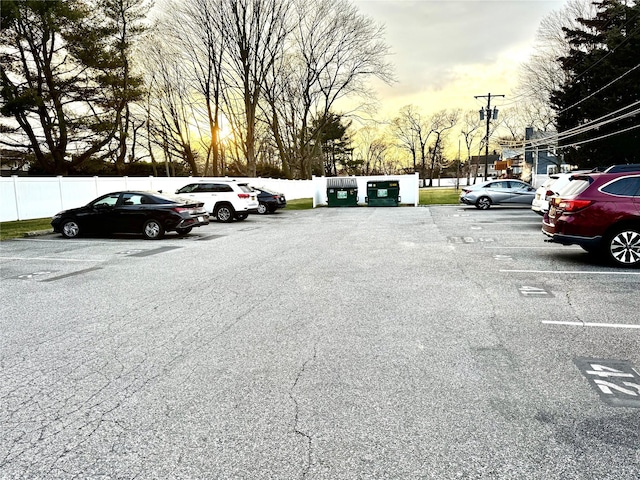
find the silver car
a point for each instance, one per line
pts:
(497, 192)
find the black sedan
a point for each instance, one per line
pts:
(147, 213)
(268, 201)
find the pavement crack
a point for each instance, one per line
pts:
(296, 420)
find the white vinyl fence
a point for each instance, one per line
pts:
(24, 198)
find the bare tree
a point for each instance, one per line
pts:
(332, 50)
(372, 151)
(195, 27)
(253, 32)
(413, 132)
(173, 112)
(542, 74)
(471, 125)
(441, 122)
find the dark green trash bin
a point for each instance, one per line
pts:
(384, 193)
(342, 192)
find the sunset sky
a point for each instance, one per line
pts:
(447, 51)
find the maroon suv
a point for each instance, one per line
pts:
(601, 213)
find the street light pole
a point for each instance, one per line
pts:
(488, 115)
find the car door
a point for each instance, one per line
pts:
(98, 216)
(521, 193)
(498, 191)
(130, 213)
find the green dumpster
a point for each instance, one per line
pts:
(342, 192)
(383, 193)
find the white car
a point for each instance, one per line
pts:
(549, 188)
(224, 199)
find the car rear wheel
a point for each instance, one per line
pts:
(483, 203)
(623, 247)
(224, 213)
(153, 230)
(70, 228)
(184, 231)
(262, 209)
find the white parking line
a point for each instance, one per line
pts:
(52, 259)
(585, 324)
(571, 272)
(527, 248)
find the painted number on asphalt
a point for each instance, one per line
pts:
(461, 240)
(529, 291)
(28, 276)
(616, 381)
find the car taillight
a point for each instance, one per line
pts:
(243, 195)
(276, 197)
(549, 193)
(180, 209)
(569, 206)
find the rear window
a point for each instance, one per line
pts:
(623, 187)
(168, 198)
(245, 188)
(576, 186)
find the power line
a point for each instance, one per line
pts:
(600, 89)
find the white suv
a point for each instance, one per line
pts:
(224, 199)
(549, 188)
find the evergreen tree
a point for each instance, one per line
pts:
(602, 87)
(63, 79)
(333, 141)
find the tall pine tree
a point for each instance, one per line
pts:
(603, 88)
(65, 79)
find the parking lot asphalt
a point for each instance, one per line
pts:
(435, 342)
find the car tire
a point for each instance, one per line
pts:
(483, 203)
(262, 209)
(224, 213)
(622, 247)
(153, 229)
(184, 231)
(70, 228)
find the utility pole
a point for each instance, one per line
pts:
(489, 115)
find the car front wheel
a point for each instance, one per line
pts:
(70, 228)
(153, 230)
(623, 247)
(483, 203)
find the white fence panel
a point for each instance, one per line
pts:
(24, 198)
